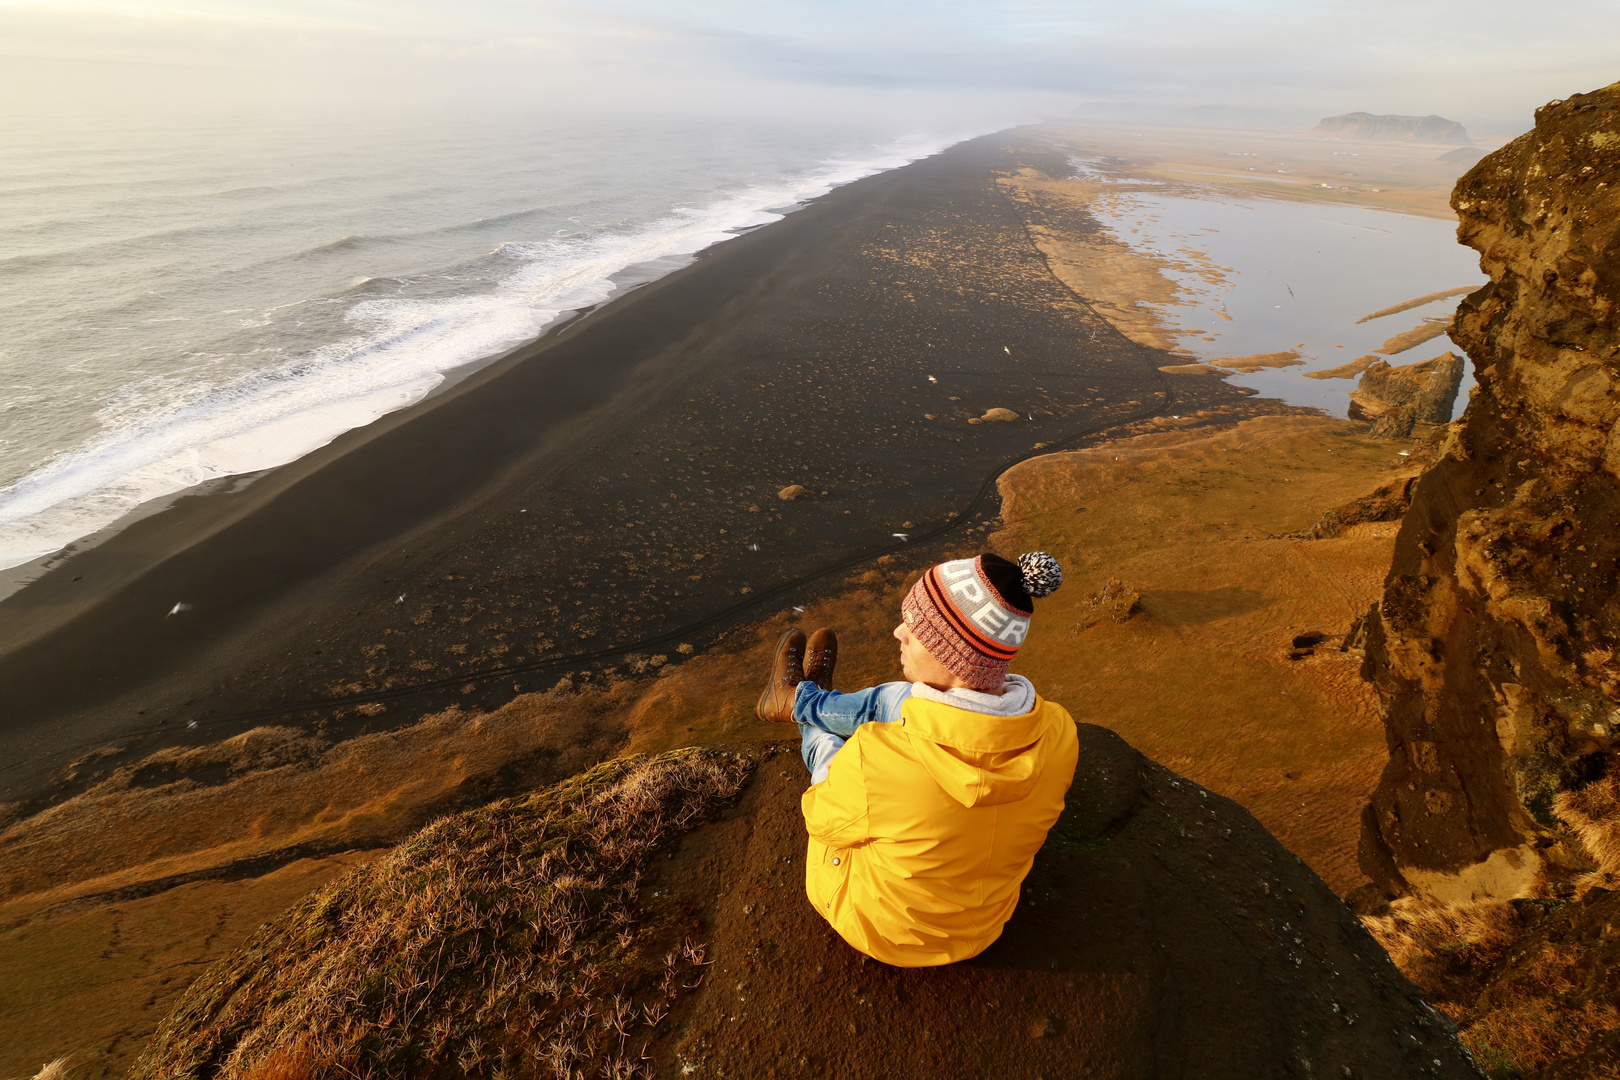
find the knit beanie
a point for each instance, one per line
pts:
(972, 614)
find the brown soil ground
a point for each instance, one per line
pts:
(94, 980)
(1206, 678)
(1197, 520)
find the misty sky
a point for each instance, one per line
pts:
(1487, 62)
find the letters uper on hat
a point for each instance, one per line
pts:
(973, 614)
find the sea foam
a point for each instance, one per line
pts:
(395, 352)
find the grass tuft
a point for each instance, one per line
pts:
(510, 940)
(1593, 815)
(1450, 951)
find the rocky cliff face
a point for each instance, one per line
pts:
(1496, 648)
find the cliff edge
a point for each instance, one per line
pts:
(648, 918)
(1496, 647)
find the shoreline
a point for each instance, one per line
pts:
(344, 341)
(14, 579)
(633, 277)
(664, 420)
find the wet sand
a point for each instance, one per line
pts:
(609, 490)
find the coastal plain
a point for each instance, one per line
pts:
(392, 628)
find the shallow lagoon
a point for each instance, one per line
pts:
(1266, 275)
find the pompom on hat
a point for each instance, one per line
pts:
(973, 614)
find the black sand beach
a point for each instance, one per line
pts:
(610, 489)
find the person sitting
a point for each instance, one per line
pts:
(930, 797)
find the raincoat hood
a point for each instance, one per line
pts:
(978, 760)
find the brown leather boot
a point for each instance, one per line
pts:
(787, 672)
(820, 657)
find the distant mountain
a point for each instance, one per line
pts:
(1463, 155)
(1415, 129)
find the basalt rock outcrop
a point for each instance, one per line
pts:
(648, 919)
(1367, 127)
(1397, 399)
(1496, 647)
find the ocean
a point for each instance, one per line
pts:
(184, 303)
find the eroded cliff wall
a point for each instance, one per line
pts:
(1494, 649)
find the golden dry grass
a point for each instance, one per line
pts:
(511, 940)
(1449, 951)
(1593, 815)
(1529, 982)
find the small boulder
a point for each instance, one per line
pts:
(793, 491)
(999, 415)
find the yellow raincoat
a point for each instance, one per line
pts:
(925, 828)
